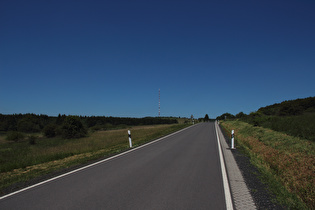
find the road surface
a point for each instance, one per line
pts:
(178, 172)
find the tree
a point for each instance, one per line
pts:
(240, 115)
(206, 119)
(256, 118)
(73, 128)
(226, 116)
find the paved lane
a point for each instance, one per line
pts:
(179, 172)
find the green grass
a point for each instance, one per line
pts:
(286, 163)
(20, 161)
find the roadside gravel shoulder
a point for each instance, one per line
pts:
(260, 194)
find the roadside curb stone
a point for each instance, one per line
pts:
(241, 196)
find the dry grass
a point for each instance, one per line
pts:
(290, 159)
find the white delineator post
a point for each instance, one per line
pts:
(130, 143)
(232, 140)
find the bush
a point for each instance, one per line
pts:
(50, 130)
(73, 128)
(15, 136)
(97, 127)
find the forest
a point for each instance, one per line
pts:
(293, 117)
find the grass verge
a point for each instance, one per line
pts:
(287, 163)
(21, 161)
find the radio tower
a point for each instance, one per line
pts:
(159, 103)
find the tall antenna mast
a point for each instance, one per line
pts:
(159, 103)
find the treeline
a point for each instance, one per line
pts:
(71, 126)
(294, 117)
(115, 121)
(290, 108)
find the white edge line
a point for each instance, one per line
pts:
(93, 164)
(228, 199)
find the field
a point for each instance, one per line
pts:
(286, 163)
(22, 161)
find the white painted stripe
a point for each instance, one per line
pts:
(93, 164)
(228, 199)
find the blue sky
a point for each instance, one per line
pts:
(111, 57)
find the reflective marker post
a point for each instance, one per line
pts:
(232, 140)
(130, 143)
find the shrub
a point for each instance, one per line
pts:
(73, 128)
(50, 130)
(97, 127)
(15, 136)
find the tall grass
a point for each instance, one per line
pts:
(21, 161)
(283, 158)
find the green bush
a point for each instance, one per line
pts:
(15, 136)
(97, 127)
(73, 128)
(50, 130)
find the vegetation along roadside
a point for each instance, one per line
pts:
(286, 163)
(22, 161)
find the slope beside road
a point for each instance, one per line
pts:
(181, 171)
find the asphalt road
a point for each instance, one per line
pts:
(179, 172)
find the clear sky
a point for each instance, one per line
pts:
(110, 58)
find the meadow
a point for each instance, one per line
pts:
(286, 163)
(21, 161)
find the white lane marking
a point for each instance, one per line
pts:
(93, 164)
(228, 199)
